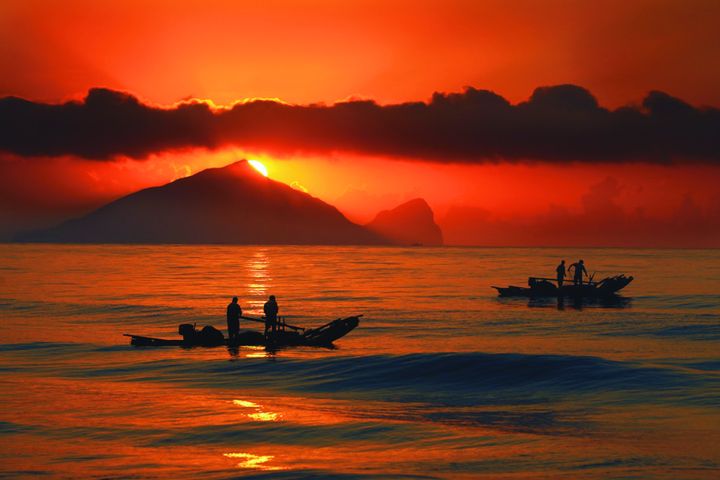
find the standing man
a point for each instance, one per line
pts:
(271, 312)
(560, 273)
(579, 271)
(233, 319)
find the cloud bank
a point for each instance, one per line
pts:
(561, 123)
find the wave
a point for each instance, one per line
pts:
(695, 331)
(452, 379)
(680, 302)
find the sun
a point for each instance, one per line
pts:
(259, 167)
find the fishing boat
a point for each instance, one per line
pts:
(547, 287)
(286, 335)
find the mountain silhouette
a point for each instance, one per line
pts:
(411, 223)
(234, 204)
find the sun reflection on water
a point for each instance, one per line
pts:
(258, 270)
(264, 416)
(258, 352)
(250, 460)
(258, 415)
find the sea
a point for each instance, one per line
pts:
(442, 379)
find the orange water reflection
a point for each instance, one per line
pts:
(87, 402)
(94, 294)
(89, 420)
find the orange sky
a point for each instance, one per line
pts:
(314, 51)
(324, 51)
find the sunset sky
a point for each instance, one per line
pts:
(368, 104)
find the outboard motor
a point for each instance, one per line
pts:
(541, 287)
(188, 332)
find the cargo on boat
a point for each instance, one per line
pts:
(286, 335)
(547, 287)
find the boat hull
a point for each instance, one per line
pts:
(607, 287)
(322, 336)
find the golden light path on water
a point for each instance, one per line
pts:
(258, 271)
(249, 460)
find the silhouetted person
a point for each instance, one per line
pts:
(579, 269)
(233, 319)
(560, 273)
(271, 312)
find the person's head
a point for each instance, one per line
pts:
(272, 298)
(234, 300)
(581, 262)
(562, 262)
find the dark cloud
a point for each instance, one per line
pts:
(559, 124)
(104, 125)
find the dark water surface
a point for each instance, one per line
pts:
(441, 380)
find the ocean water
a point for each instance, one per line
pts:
(442, 379)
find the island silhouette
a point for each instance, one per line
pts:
(411, 223)
(234, 204)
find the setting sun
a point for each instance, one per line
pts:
(259, 167)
